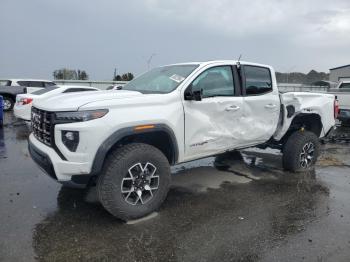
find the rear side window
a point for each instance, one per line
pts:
(345, 85)
(71, 90)
(257, 80)
(23, 83)
(6, 83)
(44, 91)
(47, 84)
(35, 84)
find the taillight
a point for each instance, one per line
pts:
(25, 101)
(336, 108)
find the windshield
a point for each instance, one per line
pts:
(45, 90)
(160, 80)
(5, 82)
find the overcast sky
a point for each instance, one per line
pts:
(39, 36)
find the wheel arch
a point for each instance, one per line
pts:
(6, 94)
(160, 136)
(311, 122)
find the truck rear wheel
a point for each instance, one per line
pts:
(134, 182)
(300, 152)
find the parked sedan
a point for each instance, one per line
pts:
(24, 102)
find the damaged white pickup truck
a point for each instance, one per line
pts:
(126, 140)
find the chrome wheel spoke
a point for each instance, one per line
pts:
(128, 190)
(307, 155)
(139, 184)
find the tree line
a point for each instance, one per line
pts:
(301, 78)
(72, 74)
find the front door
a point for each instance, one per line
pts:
(212, 125)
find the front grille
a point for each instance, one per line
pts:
(42, 125)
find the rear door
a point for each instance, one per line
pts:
(212, 125)
(261, 104)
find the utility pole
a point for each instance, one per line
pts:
(115, 73)
(150, 60)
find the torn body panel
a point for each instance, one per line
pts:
(260, 117)
(305, 103)
(213, 125)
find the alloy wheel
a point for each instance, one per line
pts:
(140, 184)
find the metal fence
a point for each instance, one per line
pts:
(98, 84)
(302, 88)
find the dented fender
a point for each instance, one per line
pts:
(306, 103)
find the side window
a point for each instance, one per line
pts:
(216, 81)
(48, 84)
(23, 83)
(7, 83)
(35, 84)
(257, 80)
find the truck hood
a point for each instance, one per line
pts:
(72, 102)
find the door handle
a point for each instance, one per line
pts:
(270, 106)
(232, 108)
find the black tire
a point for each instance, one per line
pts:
(9, 102)
(345, 123)
(293, 148)
(116, 168)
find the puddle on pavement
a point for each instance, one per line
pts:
(209, 212)
(239, 220)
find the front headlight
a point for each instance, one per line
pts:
(80, 116)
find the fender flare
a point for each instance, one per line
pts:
(118, 135)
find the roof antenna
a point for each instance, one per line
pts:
(238, 61)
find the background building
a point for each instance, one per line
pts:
(339, 73)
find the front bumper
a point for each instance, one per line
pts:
(68, 173)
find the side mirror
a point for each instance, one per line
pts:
(193, 95)
(197, 95)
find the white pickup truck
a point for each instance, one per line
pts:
(342, 92)
(125, 140)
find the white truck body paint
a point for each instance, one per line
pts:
(307, 103)
(201, 128)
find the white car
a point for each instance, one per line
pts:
(125, 141)
(24, 102)
(31, 85)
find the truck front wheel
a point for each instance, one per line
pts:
(134, 182)
(300, 152)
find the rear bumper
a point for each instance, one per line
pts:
(22, 112)
(65, 172)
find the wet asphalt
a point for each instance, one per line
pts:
(233, 207)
